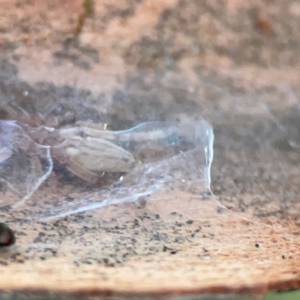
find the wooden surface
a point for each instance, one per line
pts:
(148, 60)
(162, 249)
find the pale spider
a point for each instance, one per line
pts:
(87, 150)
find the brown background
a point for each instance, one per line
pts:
(132, 61)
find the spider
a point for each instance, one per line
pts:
(87, 150)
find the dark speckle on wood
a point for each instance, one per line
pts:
(7, 236)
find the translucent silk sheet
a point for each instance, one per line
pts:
(130, 165)
(24, 164)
